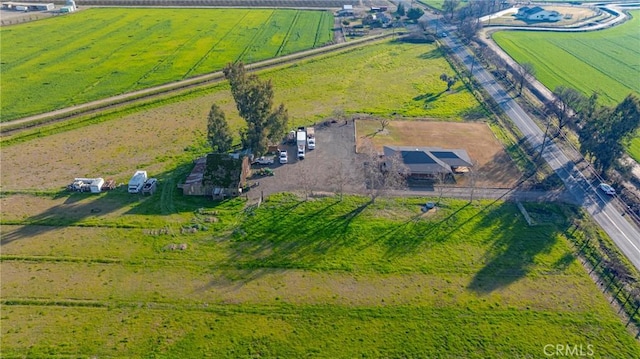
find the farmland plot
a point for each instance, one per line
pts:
(296, 278)
(103, 52)
(386, 79)
(606, 62)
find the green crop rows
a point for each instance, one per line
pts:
(103, 52)
(603, 61)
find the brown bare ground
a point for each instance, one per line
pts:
(149, 140)
(495, 168)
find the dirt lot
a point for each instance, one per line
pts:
(495, 168)
(334, 161)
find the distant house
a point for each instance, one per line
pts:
(537, 14)
(219, 175)
(347, 10)
(429, 162)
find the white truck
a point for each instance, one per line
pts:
(137, 181)
(311, 138)
(265, 160)
(301, 137)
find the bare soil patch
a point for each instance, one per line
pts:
(495, 168)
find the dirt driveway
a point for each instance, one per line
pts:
(333, 162)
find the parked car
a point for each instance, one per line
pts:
(265, 160)
(284, 157)
(607, 189)
(149, 186)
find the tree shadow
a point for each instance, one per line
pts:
(299, 239)
(477, 113)
(433, 54)
(499, 171)
(429, 97)
(511, 258)
(409, 244)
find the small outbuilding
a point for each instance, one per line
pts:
(219, 175)
(347, 10)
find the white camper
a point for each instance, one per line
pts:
(137, 181)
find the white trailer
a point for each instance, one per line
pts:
(137, 181)
(302, 143)
(311, 138)
(93, 185)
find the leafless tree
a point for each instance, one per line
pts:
(383, 123)
(440, 181)
(381, 173)
(339, 114)
(523, 73)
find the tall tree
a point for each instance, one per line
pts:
(415, 13)
(523, 73)
(254, 100)
(401, 9)
(605, 130)
(382, 174)
(218, 131)
(449, 7)
(449, 80)
(565, 100)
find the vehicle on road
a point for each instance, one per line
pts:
(265, 160)
(607, 189)
(284, 157)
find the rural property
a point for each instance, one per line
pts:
(126, 232)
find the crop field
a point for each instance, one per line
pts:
(294, 278)
(165, 137)
(602, 61)
(97, 53)
(494, 167)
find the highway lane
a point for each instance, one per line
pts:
(625, 235)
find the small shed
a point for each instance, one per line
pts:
(219, 175)
(347, 10)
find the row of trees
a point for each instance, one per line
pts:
(603, 130)
(254, 101)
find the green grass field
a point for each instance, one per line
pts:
(295, 278)
(602, 61)
(384, 79)
(98, 53)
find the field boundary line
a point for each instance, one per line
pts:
(167, 58)
(256, 36)
(288, 34)
(211, 49)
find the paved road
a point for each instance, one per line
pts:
(625, 235)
